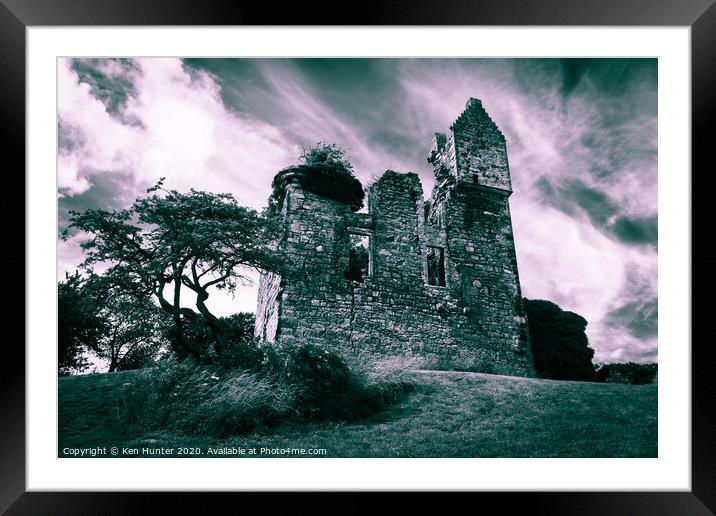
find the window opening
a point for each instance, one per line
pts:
(436, 266)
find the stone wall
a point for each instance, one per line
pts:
(474, 320)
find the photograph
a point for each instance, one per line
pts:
(375, 257)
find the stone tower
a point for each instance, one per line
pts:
(436, 278)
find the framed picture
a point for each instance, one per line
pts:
(586, 104)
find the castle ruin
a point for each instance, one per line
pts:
(436, 279)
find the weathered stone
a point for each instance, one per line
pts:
(471, 314)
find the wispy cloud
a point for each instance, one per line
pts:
(182, 130)
(581, 139)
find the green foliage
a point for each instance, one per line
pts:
(560, 347)
(240, 351)
(323, 153)
(239, 327)
(175, 241)
(327, 388)
(94, 319)
(134, 327)
(630, 372)
(358, 258)
(199, 399)
(79, 325)
(243, 351)
(322, 381)
(136, 359)
(325, 171)
(192, 338)
(301, 384)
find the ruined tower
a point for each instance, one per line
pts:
(436, 278)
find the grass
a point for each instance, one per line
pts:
(449, 414)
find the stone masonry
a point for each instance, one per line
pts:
(466, 313)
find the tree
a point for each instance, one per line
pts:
(239, 327)
(177, 241)
(630, 372)
(135, 329)
(95, 320)
(560, 347)
(79, 326)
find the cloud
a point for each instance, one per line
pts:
(582, 148)
(182, 129)
(110, 81)
(572, 196)
(581, 138)
(639, 317)
(637, 231)
(122, 125)
(571, 264)
(105, 191)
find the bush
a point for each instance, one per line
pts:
(636, 374)
(201, 399)
(239, 327)
(560, 347)
(252, 356)
(303, 383)
(386, 377)
(195, 331)
(325, 172)
(323, 383)
(79, 326)
(137, 359)
(326, 388)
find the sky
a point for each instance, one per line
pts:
(581, 139)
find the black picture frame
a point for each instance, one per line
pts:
(700, 15)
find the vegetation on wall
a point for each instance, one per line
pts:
(323, 170)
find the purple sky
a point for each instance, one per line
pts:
(581, 136)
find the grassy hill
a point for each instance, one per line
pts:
(450, 414)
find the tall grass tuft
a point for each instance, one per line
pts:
(302, 384)
(203, 400)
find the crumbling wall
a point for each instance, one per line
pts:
(475, 320)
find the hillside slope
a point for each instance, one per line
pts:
(451, 414)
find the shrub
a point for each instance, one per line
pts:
(325, 172)
(327, 388)
(195, 331)
(387, 377)
(322, 380)
(79, 326)
(137, 359)
(637, 374)
(303, 383)
(239, 327)
(201, 399)
(560, 347)
(323, 153)
(253, 356)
